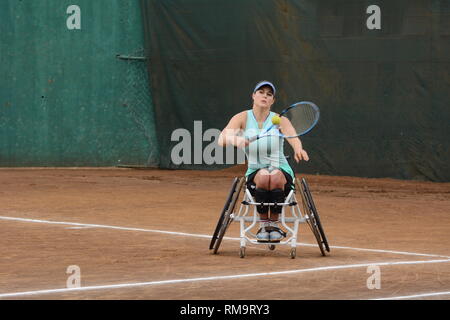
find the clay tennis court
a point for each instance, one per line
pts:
(144, 234)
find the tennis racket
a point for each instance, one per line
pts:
(303, 115)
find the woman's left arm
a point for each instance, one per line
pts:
(287, 129)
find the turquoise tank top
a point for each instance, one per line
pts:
(266, 152)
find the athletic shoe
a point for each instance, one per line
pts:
(262, 235)
(275, 233)
(276, 236)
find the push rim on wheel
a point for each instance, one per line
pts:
(312, 214)
(226, 221)
(311, 220)
(222, 214)
(316, 215)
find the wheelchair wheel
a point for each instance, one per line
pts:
(313, 216)
(225, 217)
(222, 214)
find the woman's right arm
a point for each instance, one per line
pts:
(233, 132)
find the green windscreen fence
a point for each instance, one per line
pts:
(73, 85)
(378, 70)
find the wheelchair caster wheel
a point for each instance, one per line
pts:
(271, 247)
(242, 252)
(293, 253)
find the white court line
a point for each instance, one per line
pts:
(416, 296)
(77, 228)
(393, 252)
(230, 277)
(86, 225)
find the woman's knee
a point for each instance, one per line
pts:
(262, 179)
(277, 180)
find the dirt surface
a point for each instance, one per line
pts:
(144, 234)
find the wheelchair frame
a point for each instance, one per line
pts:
(248, 218)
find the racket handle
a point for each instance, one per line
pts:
(254, 138)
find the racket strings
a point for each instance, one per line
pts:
(302, 117)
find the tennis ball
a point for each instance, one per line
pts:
(276, 120)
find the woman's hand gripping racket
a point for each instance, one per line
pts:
(303, 116)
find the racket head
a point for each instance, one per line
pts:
(303, 116)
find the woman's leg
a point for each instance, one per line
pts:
(262, 182)
(262, 193)
(276, 187)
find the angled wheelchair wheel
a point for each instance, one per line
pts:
(222, 214)
(313, 216)
(225, 218)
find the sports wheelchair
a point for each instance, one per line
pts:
(290, 218)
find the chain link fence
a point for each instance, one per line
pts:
(136, 96)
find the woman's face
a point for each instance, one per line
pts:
(263, 97)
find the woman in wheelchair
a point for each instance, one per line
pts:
(269, 176)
